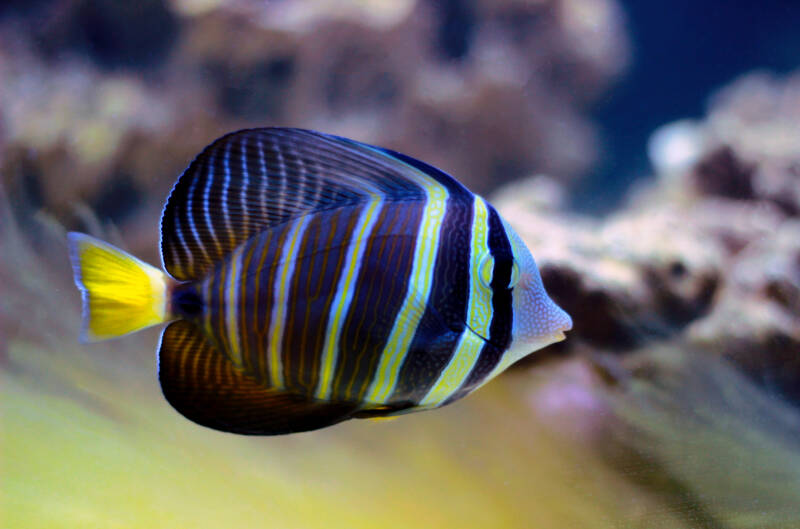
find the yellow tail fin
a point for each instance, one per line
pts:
(121, 294)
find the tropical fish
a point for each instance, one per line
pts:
(312, 279)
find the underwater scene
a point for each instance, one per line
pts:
(400, 264)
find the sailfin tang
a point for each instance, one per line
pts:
(251, 180)
(205, 387)
(120, 293)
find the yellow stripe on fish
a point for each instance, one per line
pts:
(287, 263)
(344, 292)
(411, 311)
(478, 316)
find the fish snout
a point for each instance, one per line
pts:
(559, 322)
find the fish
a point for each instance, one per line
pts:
(309, 279)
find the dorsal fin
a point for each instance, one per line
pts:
(250, 180)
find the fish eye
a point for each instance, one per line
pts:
(486, 270)
(515, 274)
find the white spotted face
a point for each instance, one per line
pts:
(538, 321)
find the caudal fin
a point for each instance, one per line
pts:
(120, 293)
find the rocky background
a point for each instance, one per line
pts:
(675, 401)
(104, 103)
(708, 253)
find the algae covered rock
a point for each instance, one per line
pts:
(640, 273)
(708, 253)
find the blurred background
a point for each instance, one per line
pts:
(648, 153)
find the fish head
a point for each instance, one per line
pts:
(537, 320)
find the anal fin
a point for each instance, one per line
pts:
(205, 387)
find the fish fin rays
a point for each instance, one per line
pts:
(205, 387)
(120, 293)
(251, 180)
(445, 179)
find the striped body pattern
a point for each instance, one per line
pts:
(317, 279)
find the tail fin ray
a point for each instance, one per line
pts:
(120, 293)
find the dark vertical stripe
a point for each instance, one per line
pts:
(446, 313)
(193, 220)
(224, 230)
(209, 193)
(377, 298)
(198, 217)
(293, 321)
(244, 304)
(267, 292)
(239, 209)
(312, 292)
(219, 318)
(213, 307)
(502, 307)
(221, 324)
(253, 292)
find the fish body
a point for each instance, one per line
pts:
(312, 279)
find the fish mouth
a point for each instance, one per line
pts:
(558, 336)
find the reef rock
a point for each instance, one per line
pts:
(103, 106)
(641, 273)
(756, 318)
(706, 254)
